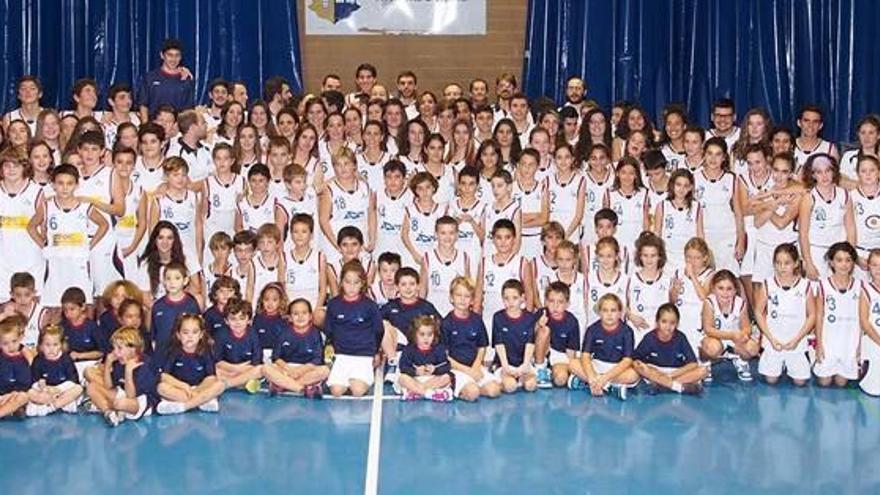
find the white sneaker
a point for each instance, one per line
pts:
(742, 369)
(212, 405)
(70, 408)
(37, 410)
(169, 407)
(114, 418)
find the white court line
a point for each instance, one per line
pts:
(371, 482)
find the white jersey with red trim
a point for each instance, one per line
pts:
(441, 273)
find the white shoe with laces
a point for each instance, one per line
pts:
(212, 405)
(167, 407)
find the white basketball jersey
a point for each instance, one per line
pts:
(390, 211)
(16, 210)
(787, 309)
(801, 155)
(841, 333)
(690, 306)
(222, 197)
(826, 217)
(445, 181)
(495, 274)
(753, 188)
(182, 213)
(674, 159)
(866, 210)
(593, 202)
(126, 225)
(302, 276)
(421, 226)
(97, 186)
(349, 208)
(148, 179)
(254, 216)
(441, 273)
(644, 297)
(564, 197)
(596, 288)
(67, 231)
(264, 274)
(467, 236)
(530, 202)
(371, 172)
(630, 209)
(726, 321)
(715, 197)
(678, 226)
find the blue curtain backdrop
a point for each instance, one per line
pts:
(779, 54)
(119, 40)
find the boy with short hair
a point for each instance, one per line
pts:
(299, 197)
(256, 208)
(22, 288)
(62, 226)
(81, 333)
(513, 335)
(383, 288)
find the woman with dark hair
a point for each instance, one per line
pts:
(164, 247)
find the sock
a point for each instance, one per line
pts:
(428, 393)
(541, 366)
(676, 387)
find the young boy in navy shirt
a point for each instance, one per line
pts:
(464, 334)
(224, 289)
(15, 372)
(237, 349)
(606, 355)
(513, 333)
(558, 334)
(81, 332)
(666, 359)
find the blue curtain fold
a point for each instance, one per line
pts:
(777, 54)
(118, 41)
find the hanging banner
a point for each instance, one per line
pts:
(427, 17)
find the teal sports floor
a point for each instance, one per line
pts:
(736, 438)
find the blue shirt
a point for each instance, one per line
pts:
(214, 320)
(164, 316)
(355, 326)
(85, 337)
(191, 369)
(15, 373)
(412, 356)
(401, 315)
(673, 354)
(54, 372)
(268, 327)
(235, 350)
(299, 348)
(565, 333)
(464, 337)
(606, 346)
(160, 88)
(107, 324)
(514, 334)
(145, 376)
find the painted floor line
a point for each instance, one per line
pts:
(371, 482)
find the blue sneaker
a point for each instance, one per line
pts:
(575, 383)
(543, 377)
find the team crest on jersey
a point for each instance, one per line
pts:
(873, 222)
(821, 214)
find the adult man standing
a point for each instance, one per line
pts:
(170, 84)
